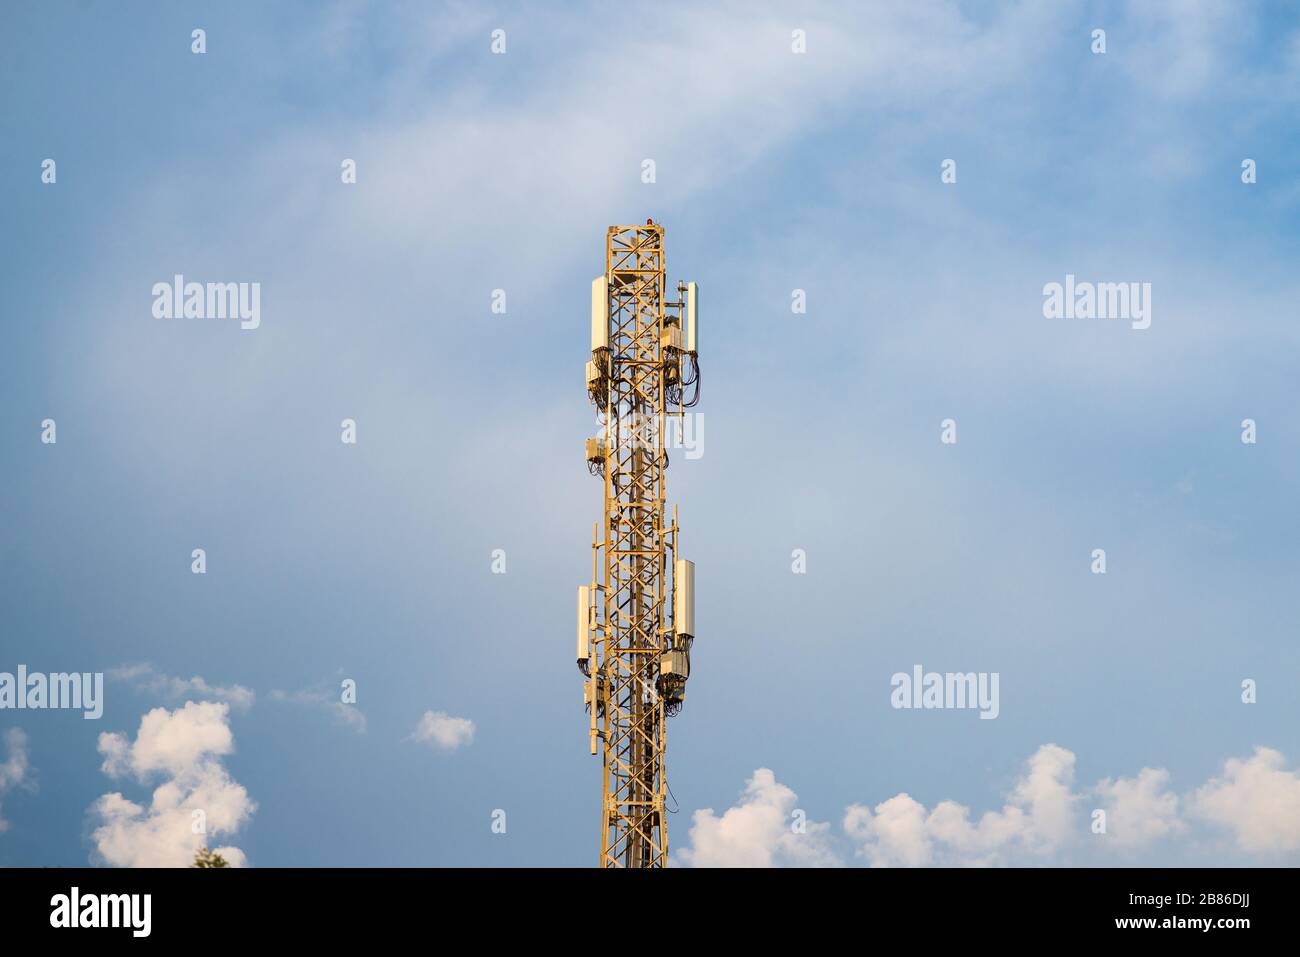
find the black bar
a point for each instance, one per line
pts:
(334, 906)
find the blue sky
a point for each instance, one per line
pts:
(776, 171)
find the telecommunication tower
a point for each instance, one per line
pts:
(636, 619)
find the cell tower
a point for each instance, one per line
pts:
(636, 619)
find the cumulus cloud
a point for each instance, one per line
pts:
(196, 800)
(146, 677)
(1037, 819)
(348, 715)
(1257, 800)
(764, 830)
(443, 732)
(1140, 810)
(13, 771)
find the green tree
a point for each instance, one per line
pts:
(206, 858)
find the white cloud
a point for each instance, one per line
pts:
(897, 831)
(1037, 819)
(440, 730)
(1140, 810)
(183, 747)
(146, 677)
(725, 76)
(758, 832)
(13, 772)
(349, 715)
(1257, 799)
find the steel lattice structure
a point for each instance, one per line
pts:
(638, 616)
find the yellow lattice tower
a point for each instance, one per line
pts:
(636, 620)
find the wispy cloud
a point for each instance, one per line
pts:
(344, 713)
(145, 677)
(14, 769)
